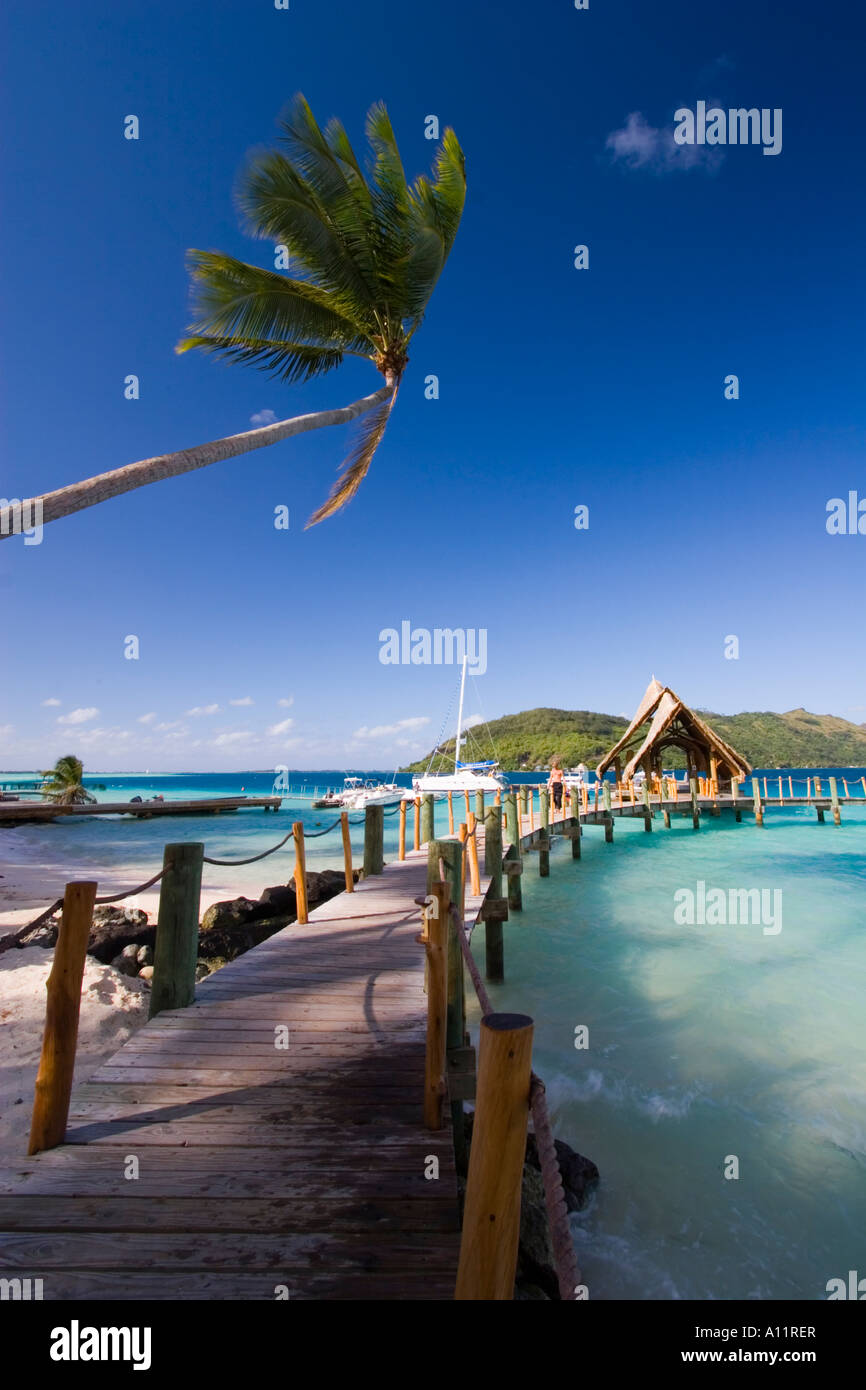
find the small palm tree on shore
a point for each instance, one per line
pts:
(369, 249)
(66, 786)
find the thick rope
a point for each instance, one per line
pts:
(9, 941)
(567, 1270)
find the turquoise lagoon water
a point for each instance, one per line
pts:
(705, 1042)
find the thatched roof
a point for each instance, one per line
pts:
(673, 724)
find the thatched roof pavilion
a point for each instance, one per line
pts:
(671, 724)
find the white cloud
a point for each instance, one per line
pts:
(203, 709)
(78, 716)
(147, 718)
(239, 736)
(387, 730)
(473, 721)
(286, 704)
(161, 728)
(640, 145)
(281, 728)
(52, 701)
(247, 700)
(263, 417)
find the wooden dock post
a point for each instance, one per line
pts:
(450, 813)
(401, 842)
(300, 872)
(693, 792)
(544, 838)
(374, 839)
(512, 869)
(416, 838)
(759, 810)
(544, 808)
(491, 1216)
(451, 852)
(494, 946)
(428, 806)
(608, 829)
(438, 918)
(834, 801)
(472, 845)
(479, 806)
(347, 851)
(57, 1062)
(176, 950)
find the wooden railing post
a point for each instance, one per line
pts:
(834, 801)
(428, 811)
(176, 950)
(450, 813)
(347, 851)
(472, 845)
(401, 851)
(451, 852)
(759, 810)
(57, 1062)
(374, 833)
(416, 838)
(494, 946)
(479, 806)
(491, 1216)
(300, 872)
(512, 822)
(436, 946)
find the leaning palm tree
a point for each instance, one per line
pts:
(369, 249)
(65, 787)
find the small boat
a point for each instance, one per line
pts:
(357, 796)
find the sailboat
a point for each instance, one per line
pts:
(466, 777)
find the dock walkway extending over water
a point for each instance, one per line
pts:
(17, 812)
(263, 1171)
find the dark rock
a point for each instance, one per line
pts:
(144, 955)
(126, 962)
(535, 1259)
(232, 940)
(579, 1175)
(228, 915)
(278, 901)
(524, 1291)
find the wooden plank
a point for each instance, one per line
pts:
(241, 1214)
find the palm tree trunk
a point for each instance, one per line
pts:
(86, 494)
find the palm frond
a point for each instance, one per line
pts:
(354, 469)
(289, 362)
(234, 299)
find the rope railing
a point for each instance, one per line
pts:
(8, 942)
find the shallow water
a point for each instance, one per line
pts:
(705, 1042)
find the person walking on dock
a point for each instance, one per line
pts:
(555, 784)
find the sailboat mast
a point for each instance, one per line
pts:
(460, 716)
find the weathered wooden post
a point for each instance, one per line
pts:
(544, 808)
(544, 837)
(374, 840)
(436, 946)
(696, 815)
(472, 846)
(494, 947)
(176, 950)
(759, 810)
(834, 801)
(479, 806)
(735, 798)
(347, 851)
(666, 817)
(57, 1062)
(491, 1216)
(608, 829)
(300, 873)
(451, 853)
(513, 864)
(427, 815)
(401, 841)
(416, 805)
(450, 813)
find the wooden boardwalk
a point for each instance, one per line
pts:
(262, 1172)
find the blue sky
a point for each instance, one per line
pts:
(558, 387)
